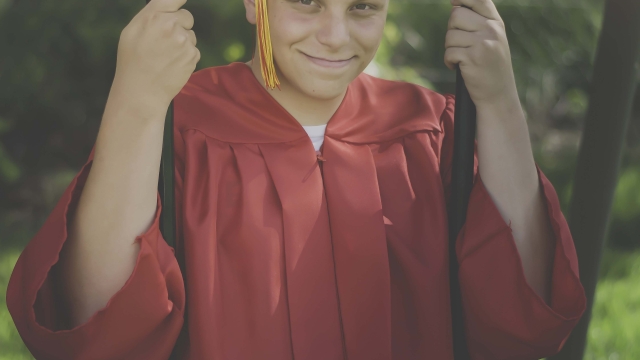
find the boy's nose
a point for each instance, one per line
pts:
(334, 32)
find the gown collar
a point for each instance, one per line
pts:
(228, 103)
(279, 114)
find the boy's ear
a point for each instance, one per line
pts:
(250, 7)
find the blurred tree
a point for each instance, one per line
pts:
(56, 67)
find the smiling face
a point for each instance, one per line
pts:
(320, 46)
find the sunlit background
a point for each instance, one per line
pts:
(57, 61)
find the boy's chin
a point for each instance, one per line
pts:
(322, 89)
(320, 86)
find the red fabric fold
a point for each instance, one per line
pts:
(504, 317)
(145, 311)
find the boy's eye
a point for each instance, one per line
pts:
(361, 6)
(357, 7)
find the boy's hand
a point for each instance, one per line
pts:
(157, 52)
(477, 42)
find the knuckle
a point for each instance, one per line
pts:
(153, 16)
(125, 32)
(129, 32)
(169, 25)
(454, 16)
(495, 28)
(189, 16)
(195, 53)
(489, 44)
(448, 55)
(186, 16)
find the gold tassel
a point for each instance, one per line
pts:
(265, 50)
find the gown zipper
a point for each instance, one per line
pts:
(321, 160)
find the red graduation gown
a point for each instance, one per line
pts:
(291, 256)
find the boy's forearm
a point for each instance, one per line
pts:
(117, 203)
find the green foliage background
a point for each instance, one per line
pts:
(58, 60)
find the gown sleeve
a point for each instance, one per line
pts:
(140, 321)
(504, 317)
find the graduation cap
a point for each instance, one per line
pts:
(265, 50)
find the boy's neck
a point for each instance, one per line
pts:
(307, 110)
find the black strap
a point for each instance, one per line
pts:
(464, 130)
(167, 195)
(165, 183)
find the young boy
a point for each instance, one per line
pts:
(311, 204)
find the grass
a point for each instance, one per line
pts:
(12, 347)
(615, 326)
